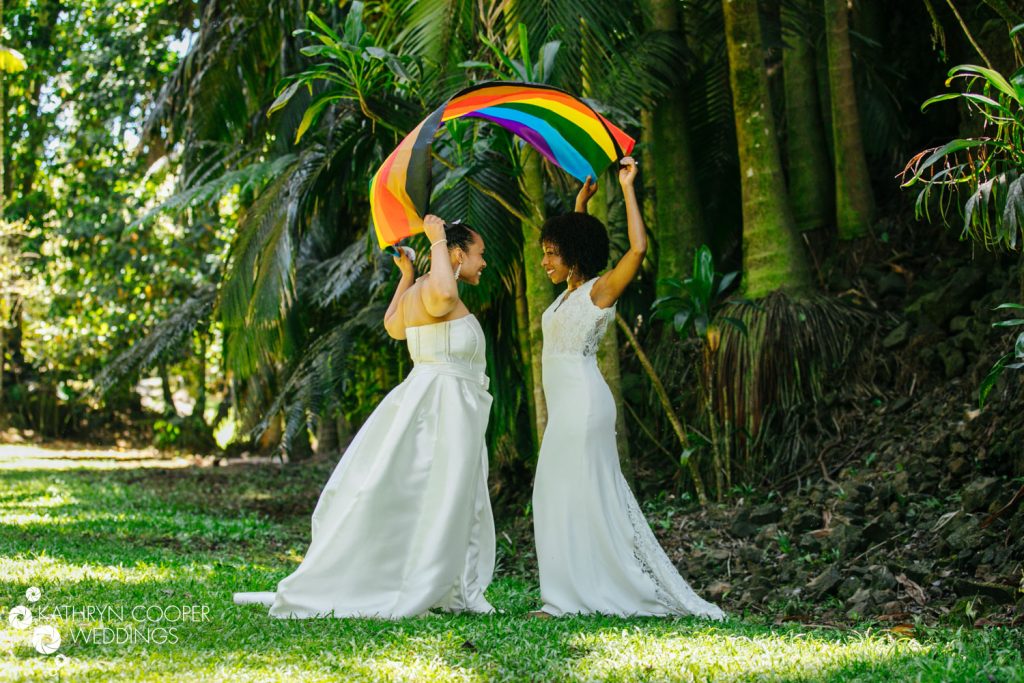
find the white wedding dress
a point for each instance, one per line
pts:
(404, 523)
(595, 551)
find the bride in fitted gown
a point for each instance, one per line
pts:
(595, 550)
(404, 523)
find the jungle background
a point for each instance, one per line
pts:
(816, 372)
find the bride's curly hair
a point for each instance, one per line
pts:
(581, 241)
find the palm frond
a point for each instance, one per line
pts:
(164, 343)
(249, 180)
(259, 288)
(319, 374)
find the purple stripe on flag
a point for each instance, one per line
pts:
(526, 133)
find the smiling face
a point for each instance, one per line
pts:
(472, 260)
(553, 264)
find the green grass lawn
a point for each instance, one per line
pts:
(144, 548)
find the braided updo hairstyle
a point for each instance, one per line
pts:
(459, 235)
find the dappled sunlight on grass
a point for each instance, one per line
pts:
(116, 538)
(45, 570)
(24, 457)
(309, 651)
(53, 496)
(715, 653)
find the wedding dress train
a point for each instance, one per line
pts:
(404, 524)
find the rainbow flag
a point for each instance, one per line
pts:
(563, 128)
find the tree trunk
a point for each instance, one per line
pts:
(270, 439)
(199, 409)
(525, 353)
(539, 293)
(855, 203)
(300, 449)
(666, 404)
(810, 171)
(773, 257)
(608, 351)
(165, 385)
(3, 125)
(326, 434)
(679, 217)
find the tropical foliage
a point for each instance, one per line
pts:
(987, 170)
(187, 206)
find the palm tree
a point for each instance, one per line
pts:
(302, 176)
(810, 189)
(678, 214)
(855, 204)
(773, 257)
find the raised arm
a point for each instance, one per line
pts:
(394, 320)
(607, 290)
(585, 193)
(440, 292)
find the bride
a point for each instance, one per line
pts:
(595, 551)
(404, 523)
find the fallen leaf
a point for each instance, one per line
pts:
(905, 630)
(915, 591)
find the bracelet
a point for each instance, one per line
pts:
(434, 244)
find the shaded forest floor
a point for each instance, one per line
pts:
(115, 530)
(909, 508)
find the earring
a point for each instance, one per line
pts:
(568, 279)
(458, 270)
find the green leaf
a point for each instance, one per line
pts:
(681, 320)
(737, 323)
(1009, 323)
(548, 52)
(316, 50)
(509, 64)
(700, 324)
(450, 180)
(949, 148)
(1019, 307)
(990, 380)
(524, 51)
(475, 64)
(673, 282)
(284, 97)
(969, 96)
(328, 37)
(704, 274)
(727, 281)
(994, 78)
(354, 28)
(391, 61)
(662, 302)
(312, 112)
(11, 60)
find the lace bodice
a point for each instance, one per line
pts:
(573, 324)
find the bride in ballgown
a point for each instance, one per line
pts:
(595, 551)
(404, 523)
